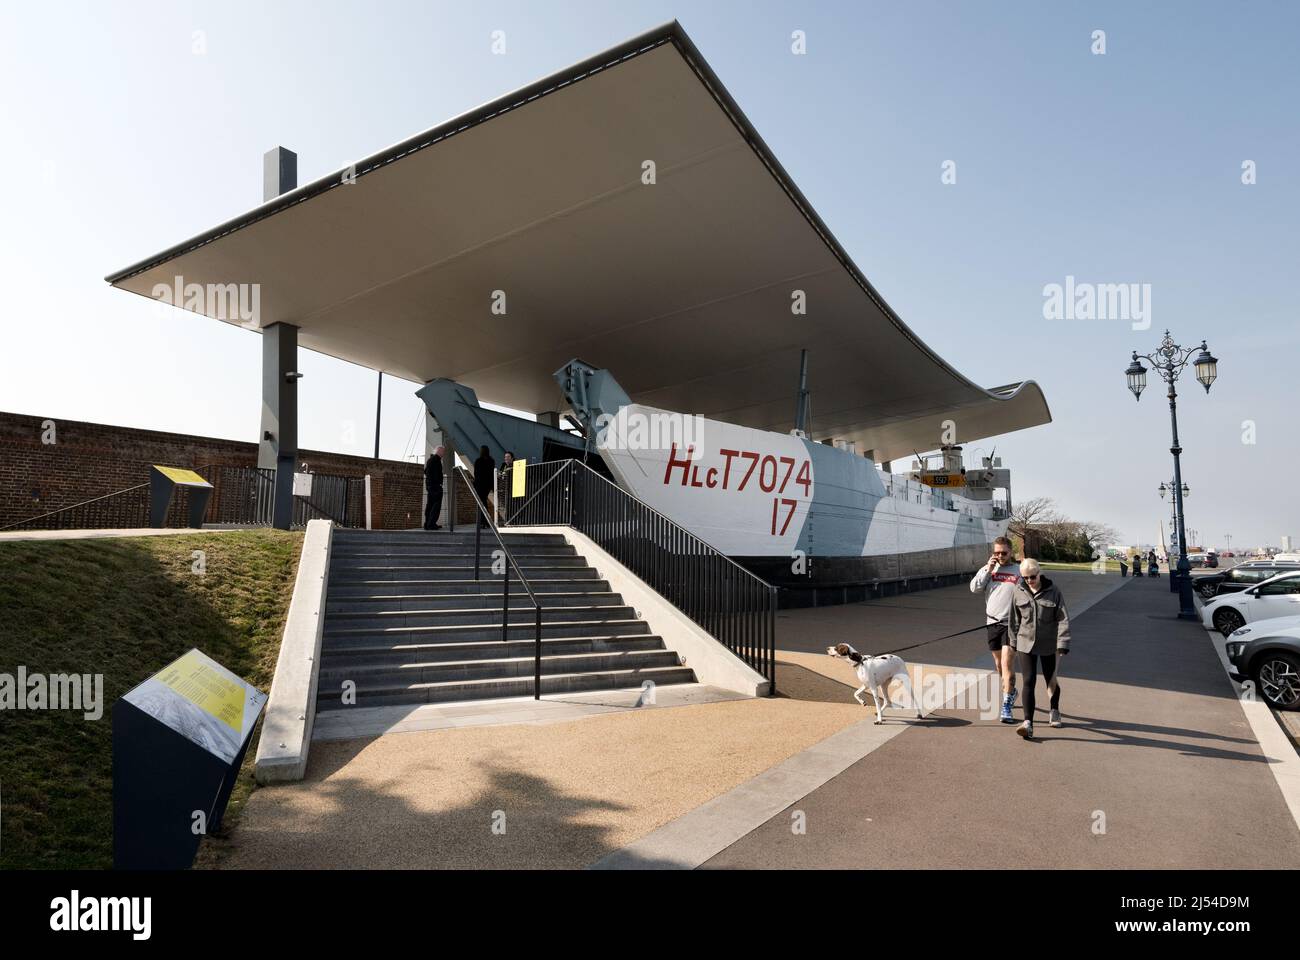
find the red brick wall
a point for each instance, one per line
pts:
(92, 459)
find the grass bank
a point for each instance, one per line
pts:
(122, 608)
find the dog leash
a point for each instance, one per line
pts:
(937, 639)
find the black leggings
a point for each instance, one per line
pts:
(1029, 680)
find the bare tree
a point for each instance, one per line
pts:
(1031, 513)
(1098, 534)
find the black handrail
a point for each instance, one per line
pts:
(138, 510)
(486, 518)
(735, 607)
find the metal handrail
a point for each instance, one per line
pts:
(707, 546)
(485, 517)
(735, 606)
(83, 503)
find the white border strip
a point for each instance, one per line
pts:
(291, 709)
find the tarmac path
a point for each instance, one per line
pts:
(1156, 767)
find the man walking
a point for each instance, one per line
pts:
(433, 489)
(998, 579)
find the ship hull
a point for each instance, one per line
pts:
(798, 513)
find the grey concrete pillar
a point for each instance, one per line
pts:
(277, 447)
(279, 172)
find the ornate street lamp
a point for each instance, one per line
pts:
(1168, 360)
(1187, 491)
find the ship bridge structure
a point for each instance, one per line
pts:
(622, 210)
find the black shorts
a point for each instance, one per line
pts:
(998, 636)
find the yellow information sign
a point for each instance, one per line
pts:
(181, 475)
(518, 478)
(193, 677)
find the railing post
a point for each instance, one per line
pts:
(451, 500)
(478, 538)
(537, 656)
(505, 603)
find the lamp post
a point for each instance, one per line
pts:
(1173, 530)
(1168, 360)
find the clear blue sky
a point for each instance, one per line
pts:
(119, 141)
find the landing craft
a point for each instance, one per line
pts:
(796, 511)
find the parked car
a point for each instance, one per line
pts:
(1287, 557)
(1240, 577)
(1276, 597)
(1196, 559)
(1268, 654)
(1211, 558)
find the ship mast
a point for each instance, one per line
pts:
(801, 404)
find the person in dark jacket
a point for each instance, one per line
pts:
(1040, 629)
(433, 489)
(1153, 565)
(484, 468)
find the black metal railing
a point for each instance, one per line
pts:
(122, 509)
(245, 496)
(332, 498)
(734, 606)
(483, 518)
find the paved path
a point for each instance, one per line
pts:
(1157, 767)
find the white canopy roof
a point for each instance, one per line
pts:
(682, 288)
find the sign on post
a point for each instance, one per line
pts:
(179, 739)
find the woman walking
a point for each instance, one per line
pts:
(1040, 630)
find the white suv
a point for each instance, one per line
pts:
(1276, 597)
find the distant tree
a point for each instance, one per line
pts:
(1030, 513)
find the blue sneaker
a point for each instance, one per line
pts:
(1005, 715)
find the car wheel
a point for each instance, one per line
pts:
(1277, 677)
(1207, 591)
(1228, 620)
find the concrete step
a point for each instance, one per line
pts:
(375, 589)
(562, 570)
(483, 630)
(347, 537)
(456, 690)
(461, 561)
(463, 601)
(527, 614)
(437, 552)
(369, 676)
(402, 652)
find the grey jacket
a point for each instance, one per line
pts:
(1039, 623)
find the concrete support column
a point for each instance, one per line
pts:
(277, 448)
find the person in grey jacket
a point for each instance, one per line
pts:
(1040, 630)
(997, 579)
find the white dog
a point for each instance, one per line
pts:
(876, 674)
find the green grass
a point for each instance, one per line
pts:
(123, 608)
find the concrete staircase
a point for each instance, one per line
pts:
(407, 623)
